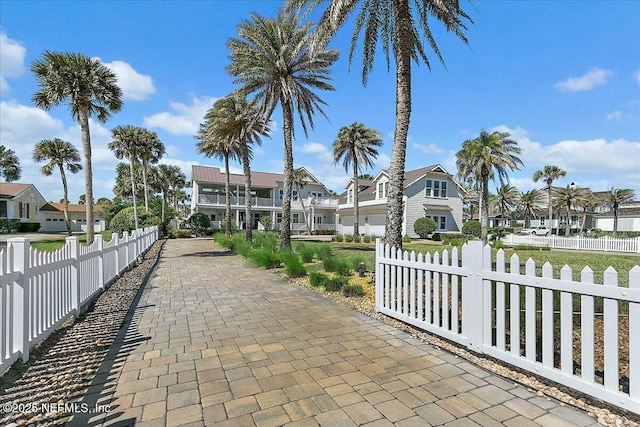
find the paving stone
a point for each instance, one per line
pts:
(394, 411)
(272, 417)
(521, 421)
(242, 406)
(335, 418)
(568, 413)
(434, 414)
(302, 409)
(362, 412)
(183, 415)
(463, 422)
(492, 394)
(524, 408)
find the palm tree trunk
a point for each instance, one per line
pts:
(484, 225)
(144, 182)
(402, 53)
(550, 209)
(567, 229)
(65, 201)
(248, 234)
(287, 130)
(133, 193)
(83, 116)
(227, 189)
(356, 203)
(615, 218)
(164, 210)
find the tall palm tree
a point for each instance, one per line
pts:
(356, 146)
(505, 199)
(570, 197)
(90, 89)
(168, 175)
(122, 186)
(404, 31)
(212, 144)
(548, 174)
(61, 154)
(529, 204)
(299, 178)
(243, 124)
(481, 157)
(150, 150)
(9, 164)
(126, 143)
(275, 60)
(615, 198)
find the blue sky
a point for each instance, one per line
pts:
(563, 77)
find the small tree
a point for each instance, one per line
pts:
(199, 222)
(424, 226)
(473, 228)
(266, 221)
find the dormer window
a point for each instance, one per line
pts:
(383, 189)
(435, 188)
(350, 196)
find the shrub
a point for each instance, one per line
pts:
(336, 265)
(338, 238)
(124, 220)
(306, 252)
(223, 225)
(356, 238)
(28, 227)
(268, 240)
(265, 220)
(265, 258)
(406, 239)
(293, 265)
(366, 239)
(348, 238)
(349, 290)
(336, 283)
(323, 251)
(424, 226)
(179, 234)
(243, 248)
(198, 222)
(318, 279)
(436, 237)
(8, 225)
(472, 228)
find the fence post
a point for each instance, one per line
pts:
(115, 241)
(378, 274)
(638, 244)
(74, 253)
(18, 247)
(100, 246)
(472, 309)
(634, 337)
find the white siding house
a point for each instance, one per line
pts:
(430, 191)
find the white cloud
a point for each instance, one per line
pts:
(134, 85)
(185, 120)
(614, 116)
(428, 148)
(12, 60)
(313, 147)
(593, 78)
(636, 76)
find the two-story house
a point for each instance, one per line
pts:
(208, 196)
(429, 191)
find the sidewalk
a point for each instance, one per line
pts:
(216, 342)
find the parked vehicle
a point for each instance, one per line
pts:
(538, 231)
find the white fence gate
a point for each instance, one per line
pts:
(522, 318)
(40, 290)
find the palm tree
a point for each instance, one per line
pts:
(480, 157)
(168, 175)
(150, 150)
(529, 204)
(275, 60)
(300, 177)
(570, 197)
(61, 154)
(549, 174)
(242, 123)
(122, 186)
(9, 164)
(212, 144)
(126, 143)
(356, 146)
(615, 198)
(90, 89)
(393, 21)
(506, 199)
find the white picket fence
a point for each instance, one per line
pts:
(40, 290)
(605, 244)
(522, 318)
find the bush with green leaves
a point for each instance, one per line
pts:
(179, 234)
(336, 283)
(28, 227)
(199, 222)
(424, 226)
(306, 252)
(349, 290)
(338, 238)
(323, 251)
(124, 220)
(9, 225)
(366, 239)
(317, 279)
(357, 238)
(265, 258)
(223, 225)
(406, 239)
(436, 237)
(265, 220)
(336, 265)
(472, 228)
(348, 238)
(292, 264)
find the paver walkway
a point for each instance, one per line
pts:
(216, 342)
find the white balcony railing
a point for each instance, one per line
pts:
(220, 200)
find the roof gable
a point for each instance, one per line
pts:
(9, 190)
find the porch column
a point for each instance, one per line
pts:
(312, 219)
(273, 219)
(238, 218)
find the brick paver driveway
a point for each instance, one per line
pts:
(214, 341)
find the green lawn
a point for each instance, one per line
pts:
(575, 260)
(54, 245)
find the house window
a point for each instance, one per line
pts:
(24, 209)
(317, 220)
(441, 221)
(281, 192)
(383, 188)
(278, 217)
(213, 217)
(435, 188)
(3, 209)
(295, 218)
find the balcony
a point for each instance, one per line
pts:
(239, 201)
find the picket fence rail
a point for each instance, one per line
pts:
(511, 313)
(40, 290)
(604, 244)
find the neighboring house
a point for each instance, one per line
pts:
(208, 197)
(52, 218)
(628, 218)
(430, 191)
(20, 201)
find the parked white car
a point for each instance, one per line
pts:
(538, 231)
